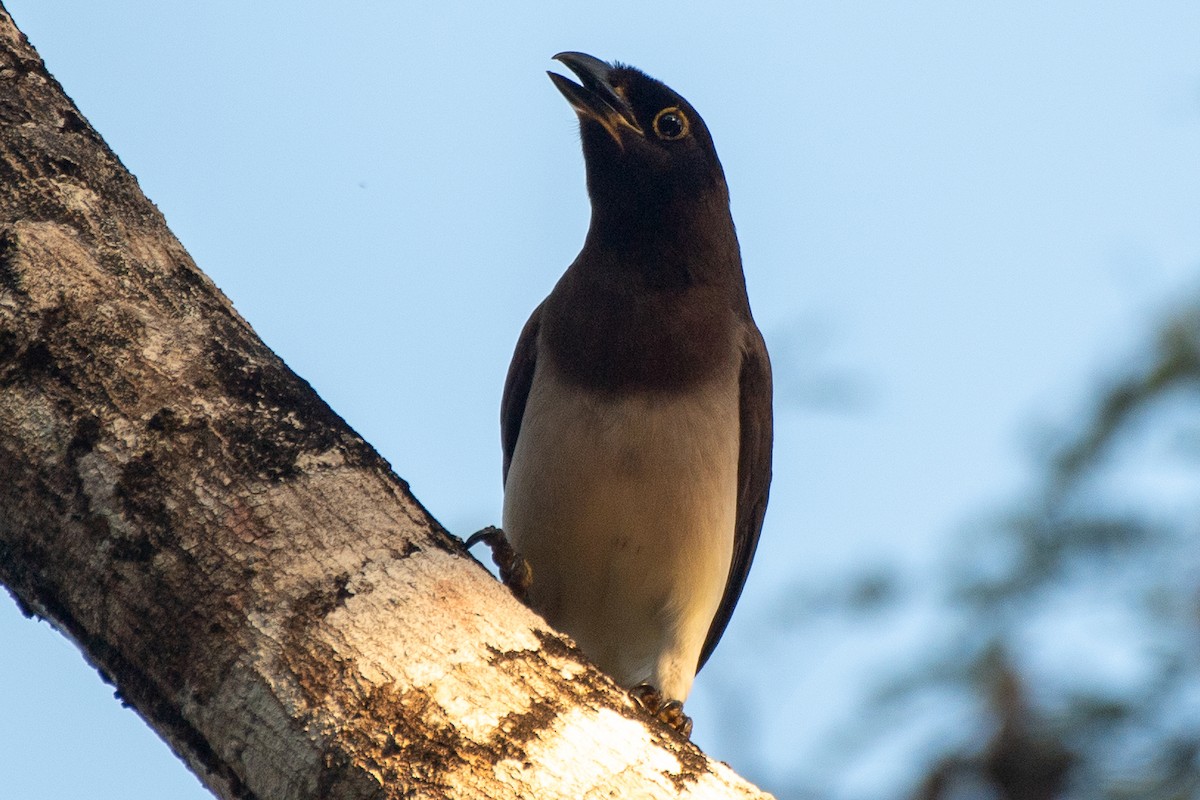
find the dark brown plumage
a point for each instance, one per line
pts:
(653, 397)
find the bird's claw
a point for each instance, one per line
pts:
(515, 571)
(669, 712)
(672, 714)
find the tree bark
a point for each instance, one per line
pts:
(246, 570)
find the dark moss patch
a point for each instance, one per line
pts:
(61, 166)
(73, 123)
(519, 728)
(189, 278)
(557, 646)
(8, 348)
(320, 602)
(282, 417)
(140, 492)
(10, 276)
(133, 549)
(417, 737)
(13, 112)
(31, 358)
(267, 383)
(87, 433)
(165, 420)
(38, 360)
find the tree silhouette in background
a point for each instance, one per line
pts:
(1065, 661)
(1100, 564)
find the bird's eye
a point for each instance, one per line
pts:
(670, 124)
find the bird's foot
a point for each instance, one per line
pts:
(672, 714)
(514, 570)
(669, 712)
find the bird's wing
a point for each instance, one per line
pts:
(754, 478)
(516, 387)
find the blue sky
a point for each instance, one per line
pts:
(955, 218)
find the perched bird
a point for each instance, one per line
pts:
(636, 418)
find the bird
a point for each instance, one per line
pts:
(636, 417)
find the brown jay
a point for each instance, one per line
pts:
(636, 418)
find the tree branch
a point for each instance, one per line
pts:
(246, 570)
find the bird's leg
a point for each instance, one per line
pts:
(669, 712)
(514, 570)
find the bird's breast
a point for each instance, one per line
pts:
(624, 506)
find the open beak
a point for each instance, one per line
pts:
(596, 99)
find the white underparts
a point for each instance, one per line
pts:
(625, 508)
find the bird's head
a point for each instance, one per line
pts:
(650, 159)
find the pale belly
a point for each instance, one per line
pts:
(625, 511)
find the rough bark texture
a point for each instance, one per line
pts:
(248, 572)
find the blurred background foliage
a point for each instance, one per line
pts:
(1066, 652)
